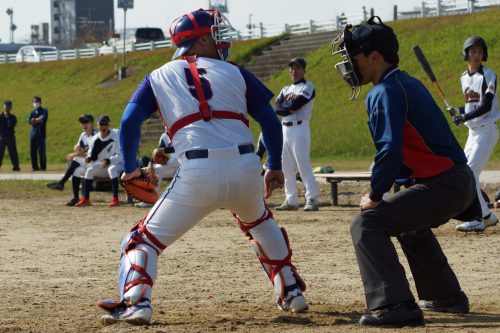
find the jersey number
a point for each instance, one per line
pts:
(207, 89)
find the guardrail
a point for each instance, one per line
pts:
(428, 8)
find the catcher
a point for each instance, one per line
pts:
(204, 101)
(164, 166)
(76, 160)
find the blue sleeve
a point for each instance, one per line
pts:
(387, 112)
(140, 107)
(144, 95)
(272, 135)
(258, 97)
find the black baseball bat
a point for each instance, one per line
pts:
(428, 69)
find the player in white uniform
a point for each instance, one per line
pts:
(480, 113)
(295, 103)
(103, 160)
(77, 166)
(166, 170)
(204, 101)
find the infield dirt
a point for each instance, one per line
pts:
(57, 261)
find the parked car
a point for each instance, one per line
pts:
(133, 36)
(33, 53)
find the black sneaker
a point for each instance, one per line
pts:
(72, 202)
(454, 304)
(56, 186)
(395, 315)
(16, 169)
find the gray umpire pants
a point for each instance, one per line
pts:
(408, 215)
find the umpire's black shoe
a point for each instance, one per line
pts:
(395, 315)
(72, 202)
(454, 304)
(56, 186)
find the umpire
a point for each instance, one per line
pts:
(412, 139)
(7, 135)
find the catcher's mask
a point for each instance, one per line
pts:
(187, 28)
(346, 68)
(363, 38)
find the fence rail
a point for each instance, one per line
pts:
(428, 8)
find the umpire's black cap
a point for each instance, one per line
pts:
(7, 103)
(298, 61)
(86, 118)
(373, 36)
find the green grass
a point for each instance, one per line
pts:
(70, 88)
(338, 126)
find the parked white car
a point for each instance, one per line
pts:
(33, 53)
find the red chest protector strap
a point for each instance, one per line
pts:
(205, 113)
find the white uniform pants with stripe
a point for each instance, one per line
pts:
(225, 179)
(296, 151)
(478, 149)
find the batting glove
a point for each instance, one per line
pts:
(458, 120)
(453, 111)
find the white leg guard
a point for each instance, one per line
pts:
(288, 291)
(137, 272)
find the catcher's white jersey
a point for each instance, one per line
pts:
(224, 88)
(291, 92)
(474, 88)
(105, 148)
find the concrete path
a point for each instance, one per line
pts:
(487, 177)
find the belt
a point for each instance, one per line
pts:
(291, 123)
(203, 153)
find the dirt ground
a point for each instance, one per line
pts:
(56, 261)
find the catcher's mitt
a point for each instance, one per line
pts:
(160, 157)
(142, 187)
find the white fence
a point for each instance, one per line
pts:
(428, 8)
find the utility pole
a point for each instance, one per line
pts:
(125, 4)
(12, 26)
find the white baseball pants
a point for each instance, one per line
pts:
(296, 156)
(478, 149)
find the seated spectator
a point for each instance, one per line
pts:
(103, 160)
(76, 160)
(164, 165)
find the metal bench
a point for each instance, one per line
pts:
(337, 177)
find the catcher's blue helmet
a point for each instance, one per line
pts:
(474, 40)
(187, 28)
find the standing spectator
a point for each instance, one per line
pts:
(38, 121)
(7, 135)
(77, 166)
(103, 160)
(295, 104)
(412, 139)
(480, 113)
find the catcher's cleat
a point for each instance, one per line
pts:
(56, 186)
(84, 202)
(286, 206)
(294, 300)
(454, 304)
(72, 202)
(136, 314)
(114, 202)
(311, 205)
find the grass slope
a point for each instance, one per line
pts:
(72, 87)
(338, 125)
